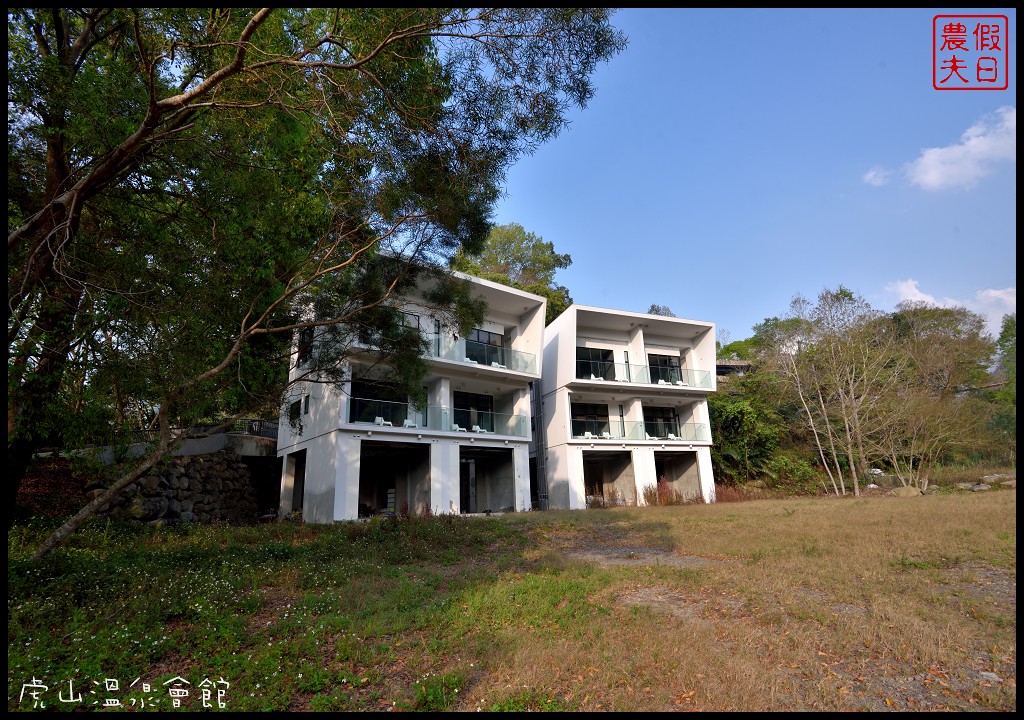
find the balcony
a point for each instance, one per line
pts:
(384, 413)
(642, 374)
(602, 370)
(679, 377)
(477, 353)
(605, 429)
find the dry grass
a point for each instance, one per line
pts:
(816, 604)
(819, 604)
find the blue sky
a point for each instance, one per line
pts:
(731, 159)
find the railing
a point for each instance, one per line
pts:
(608, 429)
(668, 430)
(478, 353)
(615, 372)
(680, 377)
(255, 427)
(642, 374)
(385, 413)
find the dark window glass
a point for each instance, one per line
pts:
(659, 422)
(589, 418)
(663, 367)
(594, 362)
(474, 409)
(305, 347)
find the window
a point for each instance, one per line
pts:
(485, 347)
(594, 363)
(410, 320)
(589, 418)
(659, 422)
(305, 347)
(474, 409)
(305, 405)
(294, 411)
(371, 400)
(664, 368)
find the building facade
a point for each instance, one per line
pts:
(361, 450)
(622, 411)
(601, 407)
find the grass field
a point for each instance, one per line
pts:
(818, 604)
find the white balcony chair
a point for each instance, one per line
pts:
(595, 377)
(381, 421)
(682, 383)
(588, 436)
(673, 437)
(650, 437)
(606, 436)
(497, 364)
(409, 424)
(458, 428)
(471, 361)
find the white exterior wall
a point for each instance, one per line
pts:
(639, 335)
(334, 449)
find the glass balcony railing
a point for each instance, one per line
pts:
(478, 353)
(666, 430)
(396, 414)
(607, 429)
(616, 372)
(680, 377)
(642, 374)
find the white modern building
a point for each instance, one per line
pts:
(364, 450)
(622, 402)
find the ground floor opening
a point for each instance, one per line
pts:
(486, 480)
(608, 477)
(394, 478)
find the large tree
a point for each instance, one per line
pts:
(185, 183)
(521, 259)
(935, 409)
(1005, 396)
(872, 387)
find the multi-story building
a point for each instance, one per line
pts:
(622, 409)
(364, 450)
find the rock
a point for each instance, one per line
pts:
(979, 487)
(906, 492)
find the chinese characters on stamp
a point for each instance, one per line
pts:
(970, 52)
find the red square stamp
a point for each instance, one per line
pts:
(970, 52)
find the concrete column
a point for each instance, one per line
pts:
(444, 477)
(707, 478)
(643, 472)
(346, 477)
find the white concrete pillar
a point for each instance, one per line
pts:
(706, 475)
(346, 477)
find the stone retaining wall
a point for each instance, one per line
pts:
(197, 488)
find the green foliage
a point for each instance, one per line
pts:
(187, 189)
(437, 693)
(746, 434)
(512, 256)
(793, 476)
(663, 310)
(1004, 421)
(533, 701)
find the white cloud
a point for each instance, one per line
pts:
(877, 176)
(984, 145)
(991, 304)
